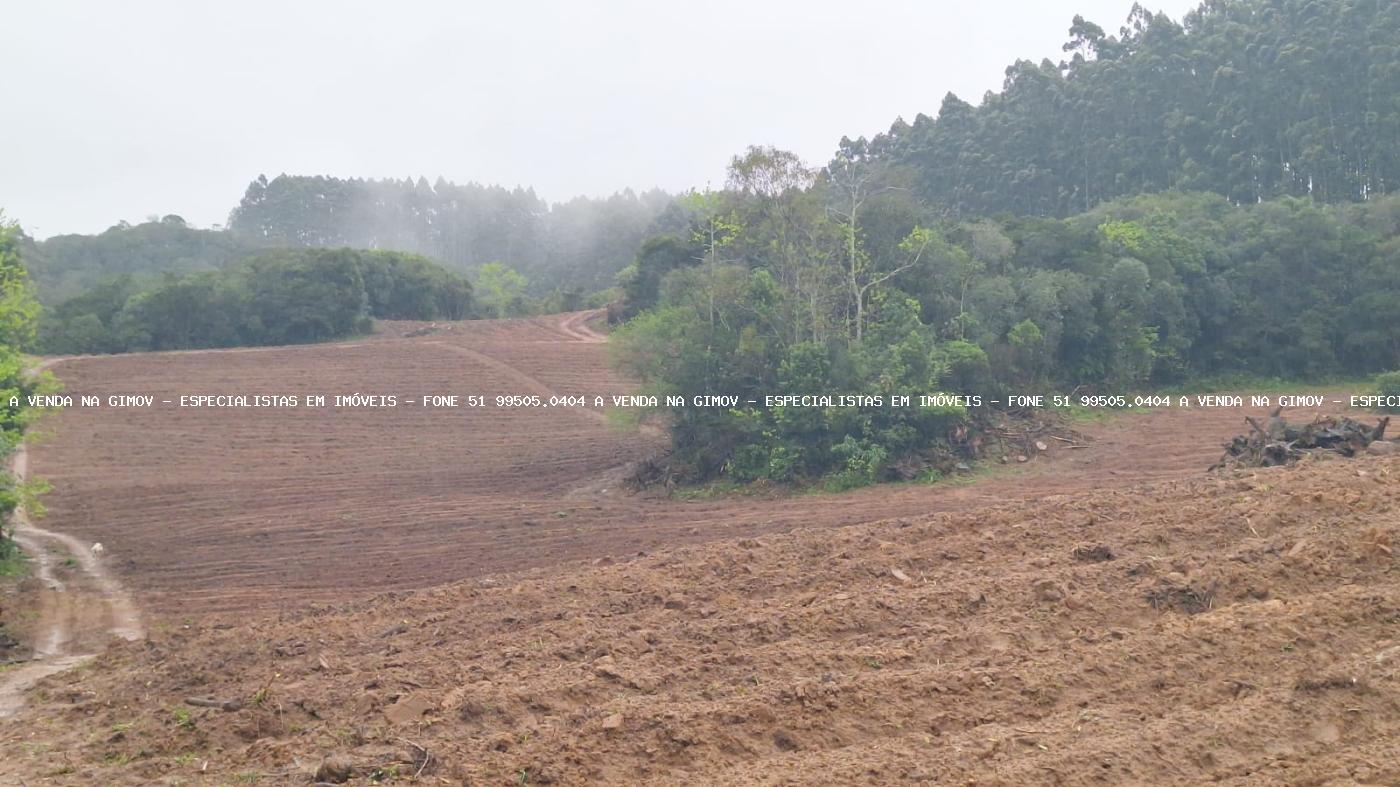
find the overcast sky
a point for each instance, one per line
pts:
(120, 110)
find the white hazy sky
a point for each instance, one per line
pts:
(120, 110)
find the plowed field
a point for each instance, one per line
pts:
(466, 596)
(218, 510)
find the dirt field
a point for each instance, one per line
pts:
(1244, 630)
(1105, 614)
(209, 510)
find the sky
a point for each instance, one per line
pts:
(122, 110)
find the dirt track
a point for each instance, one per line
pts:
(206, 510)
(77, 604)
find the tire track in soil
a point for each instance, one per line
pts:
(74, 616)
(575, 326)
(535, 385)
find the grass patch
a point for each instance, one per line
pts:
(183, 717)
(13, 563)
(836, 484)
(625, 419)
(721, 488)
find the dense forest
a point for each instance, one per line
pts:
(279, 297)
(1178, 200)
(572, 246)
(1250, 99)
(831, 282)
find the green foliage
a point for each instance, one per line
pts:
(277, 297)
(65, 266)
(1388, 384)
(12, 561)
(410, 287)
(641, 281)
(18, 311)
(875, 296)
(500, 290)
(1250, 99)
(859, 463)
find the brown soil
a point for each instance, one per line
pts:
(1104, 614)
(1244, 629)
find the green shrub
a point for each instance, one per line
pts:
(1388, 384)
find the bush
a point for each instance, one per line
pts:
(1388, 384)
(861, 463)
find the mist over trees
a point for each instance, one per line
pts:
(574, 245)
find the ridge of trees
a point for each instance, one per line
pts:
(287, 296)
(562, 252)
(65, 265)
(1251, 99)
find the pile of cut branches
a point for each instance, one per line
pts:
(1277, 442)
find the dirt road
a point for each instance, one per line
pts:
(77, 609)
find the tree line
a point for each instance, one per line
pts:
(287, 296)
(545, 256)
(64, 266)
(1250, 99)
(572, 246)
(1177, 200)
(838, 280)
